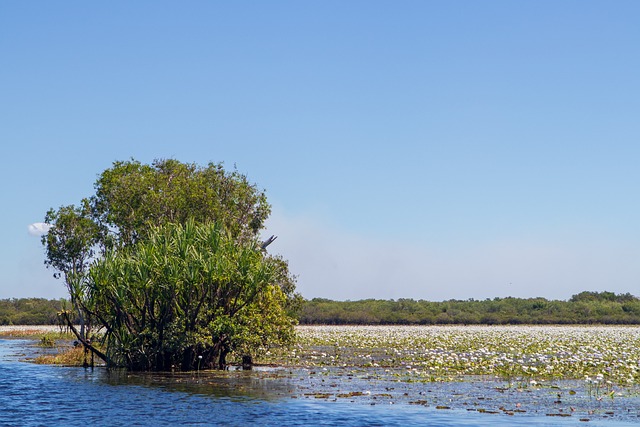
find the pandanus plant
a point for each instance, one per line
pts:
(186, 297)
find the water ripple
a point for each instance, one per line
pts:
(34, 395)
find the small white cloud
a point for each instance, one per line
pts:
(39, 228)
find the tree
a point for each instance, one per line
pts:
(141, 291)
(185, 297)
(70, 246)
(131, 197)
(71, 241)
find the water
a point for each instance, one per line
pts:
(37, 395)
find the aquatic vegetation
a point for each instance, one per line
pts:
(587, 373)
(71, 356)
(524, 356)
(31, 332)
(47, 341)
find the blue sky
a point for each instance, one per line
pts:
(417, 149)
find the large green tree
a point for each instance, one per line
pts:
(137, 206)
(185, 297)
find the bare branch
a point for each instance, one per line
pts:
(268, 242)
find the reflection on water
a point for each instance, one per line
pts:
(34, 395)
(263, 384)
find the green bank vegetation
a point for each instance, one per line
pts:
(583, 308)
(30, 311)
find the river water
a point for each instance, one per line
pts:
(38, 395)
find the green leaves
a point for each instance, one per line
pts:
(177, 271)
(132, 198)
(196, 289)
(71, 241)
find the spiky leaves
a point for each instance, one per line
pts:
(188, 290)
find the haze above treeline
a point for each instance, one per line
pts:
(583, 308)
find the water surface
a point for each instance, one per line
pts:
(37, 395)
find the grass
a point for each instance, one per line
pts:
(52, 339)
(68, 356)
(54, 342)
(35, 332)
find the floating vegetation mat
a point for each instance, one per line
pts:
(559, 371)
(563, 398)
(602, 356)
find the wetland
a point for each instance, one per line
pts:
(357, 375)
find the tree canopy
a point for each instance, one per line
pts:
(131, 197)
(165, 259)
(71, 244)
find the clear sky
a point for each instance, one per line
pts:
(417, 149)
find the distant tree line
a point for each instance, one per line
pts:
(30, 311)
(583, 308)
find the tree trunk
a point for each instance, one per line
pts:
(247, 362)
(86, 343)
(222, 361)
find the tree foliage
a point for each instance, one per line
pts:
(165, 258)
(599, 309)
(583, 308)
(70, 247)
(185, 297)
(131, 197)
(70, 244)
(30, 311)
